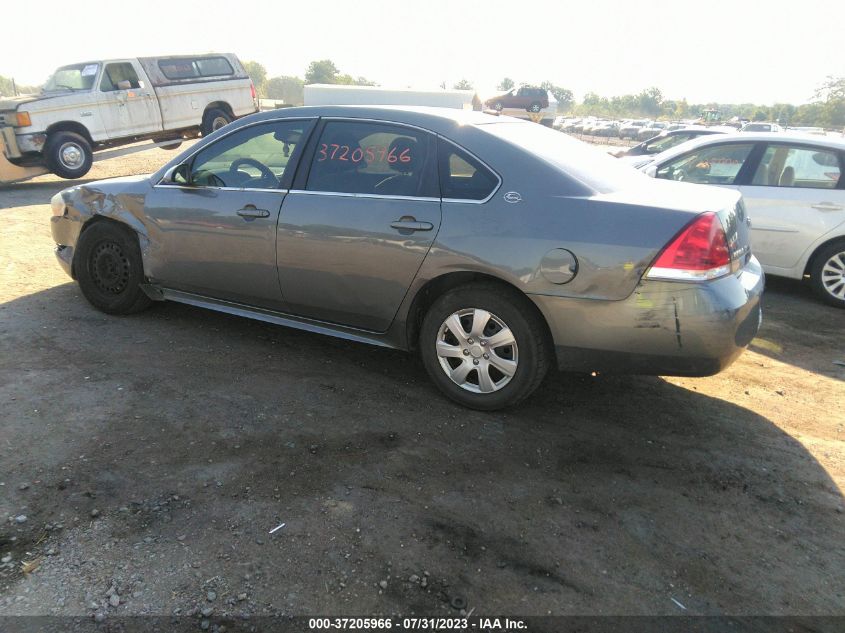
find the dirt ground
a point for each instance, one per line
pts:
(144, 461)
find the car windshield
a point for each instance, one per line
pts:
(594, 168)
(74, 77)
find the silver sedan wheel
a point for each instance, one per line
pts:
(833, 276)
(477, 350)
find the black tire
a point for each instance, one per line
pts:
(535, 107)
(172, 146)
(68, 155)
(829, 261)
(109, 268)
(532, 351)
(214, 119)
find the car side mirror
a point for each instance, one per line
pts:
(651, 171)
(177, 175)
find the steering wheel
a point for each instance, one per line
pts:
(267, 176)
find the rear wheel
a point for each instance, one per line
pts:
(68, 155)
(213, 120)
(109, 268)
(535, 107)
(827, 275)
(484, 347)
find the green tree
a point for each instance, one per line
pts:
(8, 88)
(505, 85)
(258, 74)
(463, 84)
(286, 88)
(564, 96)
(321, 72)
(831, 97)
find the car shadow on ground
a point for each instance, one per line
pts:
(193, 434)
(800, 329)
(22, 193)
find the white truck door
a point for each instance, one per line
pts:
(128, 103)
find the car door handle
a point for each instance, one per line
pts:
(827, 206)
(411, 224)
(250, 212)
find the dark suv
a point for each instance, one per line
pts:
(524, 98)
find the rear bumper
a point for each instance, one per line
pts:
(663, 328)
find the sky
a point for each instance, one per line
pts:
(702, 50)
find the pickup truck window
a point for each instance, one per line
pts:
(74, 77)
(195, 67)
(114, 74)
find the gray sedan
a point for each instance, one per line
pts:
(494, 247)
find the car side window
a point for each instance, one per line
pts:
(462, 177)
(372, 158)
(791, 166)
(713, 165)
(255, 157)
(119, 76)
(661, 144)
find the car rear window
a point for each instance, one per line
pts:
(592, 167)
(195, 67)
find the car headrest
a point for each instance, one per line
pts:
(787, 177)
(407, 147)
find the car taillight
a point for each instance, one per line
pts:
(698, 253)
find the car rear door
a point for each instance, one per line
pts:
(213, 226)
(355, 229)
(794, 197)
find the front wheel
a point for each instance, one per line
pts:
(828, 274)
(498, 106)
(68, 155)
(109, 268)
(535, 107)
(483, 347)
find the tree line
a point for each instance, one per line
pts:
(827, 109)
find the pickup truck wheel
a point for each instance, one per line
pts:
(68, 155)
(213, 120)
(172, 146)
(109, 268)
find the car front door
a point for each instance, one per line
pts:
(794, 197)
(129, 107)
(213, 225)
(361, 219)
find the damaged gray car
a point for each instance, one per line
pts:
(496, 248)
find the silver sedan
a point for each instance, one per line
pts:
(495, 247)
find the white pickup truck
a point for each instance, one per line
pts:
(102, 104)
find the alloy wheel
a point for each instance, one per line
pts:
(477, 350)
(833, 276)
